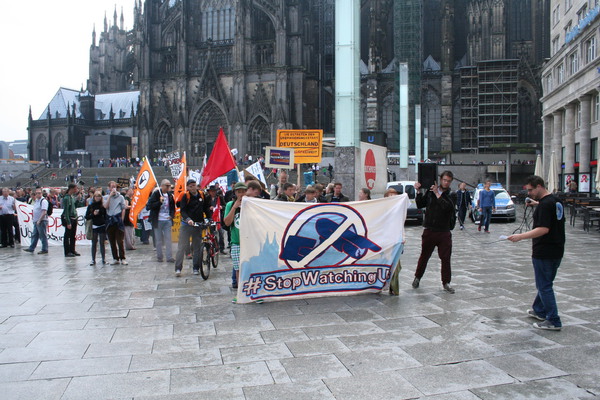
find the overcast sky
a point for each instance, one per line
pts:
(45, 44)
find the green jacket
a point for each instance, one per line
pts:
(68, 205)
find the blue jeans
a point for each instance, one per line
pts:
(486, 217)
(162, 235)
(39, 233)
(544, 304)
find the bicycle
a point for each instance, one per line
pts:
(210, 248)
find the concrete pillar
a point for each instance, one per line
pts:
(547, 141)
(569, 139)
(347, 94)
(584, 134)
(557, 134)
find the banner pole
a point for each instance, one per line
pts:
(298, 185)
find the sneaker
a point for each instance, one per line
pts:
(77, 254)
(546, 325)
(93, 262)
(462, 227)
(234, 301)
(415, 283)
(70, 255)
(43, 252)
(171, 260)
(104, 262)
(28, 250)
(449, 288)
(487, 231)
(177, 272)
(533, 314)
(115, 262)
(159, 259)
(124, 262)
(479, 228)
(234, 285)
(196, 271)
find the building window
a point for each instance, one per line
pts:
(555, 45)
(594, 150)
(596, 115)
(556, 15)
(568, 4)
(548, 83)
(578, 118)
(581, 13)
(568, 28)
(574, 63)
(590, 50)
(560, 74)
(577, 151)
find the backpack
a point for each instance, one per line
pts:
(187, 197)
(50, 208)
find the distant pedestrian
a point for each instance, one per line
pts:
(97, 213)
(40, 223)
(69, 221)
(463, 203)
(487, 205)
(115, 205)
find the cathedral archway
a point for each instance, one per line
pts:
(41, 148)
(259, 137)
(205, 130)
(163, 140)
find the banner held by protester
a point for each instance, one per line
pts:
(289, 250)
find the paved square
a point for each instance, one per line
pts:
(73, 331)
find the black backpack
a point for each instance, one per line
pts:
(50, 208)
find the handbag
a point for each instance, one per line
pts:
(88, 229)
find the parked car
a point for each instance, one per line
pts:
(408, 187)
(505, 207)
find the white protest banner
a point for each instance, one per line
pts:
(256, 170)
(55, 228)
(291, 250)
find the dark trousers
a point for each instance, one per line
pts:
(17, 234)
(429, 241)
(98, 238)
(462, 214)
(116, 239)
(6, 230)
(69, 238)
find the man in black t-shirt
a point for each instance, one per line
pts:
(548, 245)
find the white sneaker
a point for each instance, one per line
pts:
(124, 262)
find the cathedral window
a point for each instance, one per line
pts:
(263, 36)
(259, 137)
(218, 24)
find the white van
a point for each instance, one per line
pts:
(408, 187)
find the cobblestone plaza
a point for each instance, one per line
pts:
(72, 331)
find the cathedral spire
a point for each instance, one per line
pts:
(94, 36)
(105, 23)
(115, 17)
(122, 26)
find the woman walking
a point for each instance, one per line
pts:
(97, 213)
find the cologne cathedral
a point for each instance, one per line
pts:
(188, 67)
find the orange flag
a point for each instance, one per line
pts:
(179, 189)
(220, 161)
(144, 185)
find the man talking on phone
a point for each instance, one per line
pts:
(440, 218)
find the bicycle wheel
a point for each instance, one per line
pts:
(215, 255)
(205, 261)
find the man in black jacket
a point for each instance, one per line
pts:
(162, 211)
(194, 208)
(439, 220)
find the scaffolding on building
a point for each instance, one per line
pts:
(489, 105)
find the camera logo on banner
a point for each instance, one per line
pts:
(325, 235)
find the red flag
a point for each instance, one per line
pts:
(179, 189)
(144, 185)
(220, 161)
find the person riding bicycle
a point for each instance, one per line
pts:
(194, 209)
